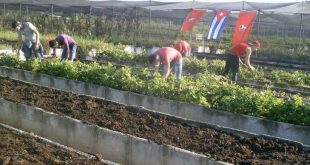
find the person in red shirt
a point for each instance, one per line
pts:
(233, 57)
(183, 47)
(165, 56)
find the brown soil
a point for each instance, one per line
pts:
(23, 149)
(215, 144)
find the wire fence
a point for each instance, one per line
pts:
(143, 27)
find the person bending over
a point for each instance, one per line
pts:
(31, 42)
(234, 54)
(183, 47)
(67, 43)
(165, 56)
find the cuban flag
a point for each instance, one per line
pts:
(218, 24)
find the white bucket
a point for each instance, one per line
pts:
(200, 49)
(129, 49)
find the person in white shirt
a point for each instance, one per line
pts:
(31, 42)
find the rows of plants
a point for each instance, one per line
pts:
(296, 77)
(207, 89)
(115, 53)
(194, 66)
(281, 89)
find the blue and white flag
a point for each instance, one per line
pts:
(218, 24)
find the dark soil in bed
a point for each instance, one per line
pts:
(23, 149)
(215, 144)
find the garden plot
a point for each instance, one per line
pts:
(192, 66)
(267, 61)
(18, 147)
(119, 56)
(259, 84)
(215, 144)
(185, 110)
(280, 87)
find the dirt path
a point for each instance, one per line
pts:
(215, 144)
(20, 149)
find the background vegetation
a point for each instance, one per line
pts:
(141, 27)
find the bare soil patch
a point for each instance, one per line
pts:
(23, 149)
(215, 144)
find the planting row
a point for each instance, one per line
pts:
(207, 89)
(211, 142)
(194, 65)
(115, 53)
(283, 81)
(18, 148)
(265, 61)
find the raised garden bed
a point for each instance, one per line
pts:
(213, 143)
(23, 148)
(266, 61)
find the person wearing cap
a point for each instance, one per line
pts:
(183, 47)
(165, 56)
(68, 44)
(31, 42)
(233, 58)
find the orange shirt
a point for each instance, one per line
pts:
(168, 54)
(239, 49)
(182, 46)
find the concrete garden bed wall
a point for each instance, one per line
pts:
(43, 141)
(114, 146)
(199, 113)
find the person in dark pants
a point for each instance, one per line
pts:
(233, 57)
(31, 42)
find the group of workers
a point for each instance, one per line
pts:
(164, 57)
(31, 42)
(174, 54)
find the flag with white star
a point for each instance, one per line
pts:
(218, 24)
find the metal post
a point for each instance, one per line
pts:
(258, 24)
(191, 33)
(150, 17)
(27, 10)
(20, 9)
(137, 23)
(203, 34)
(112, 25)
(52, 15)
(90, 8)
(3, 7)
(300, 29)
(243, 5)
(89, 21)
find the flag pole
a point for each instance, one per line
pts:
(150, 17)
(243, 5)
(191, 33)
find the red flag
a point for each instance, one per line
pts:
(243, 26)
(192, 18)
